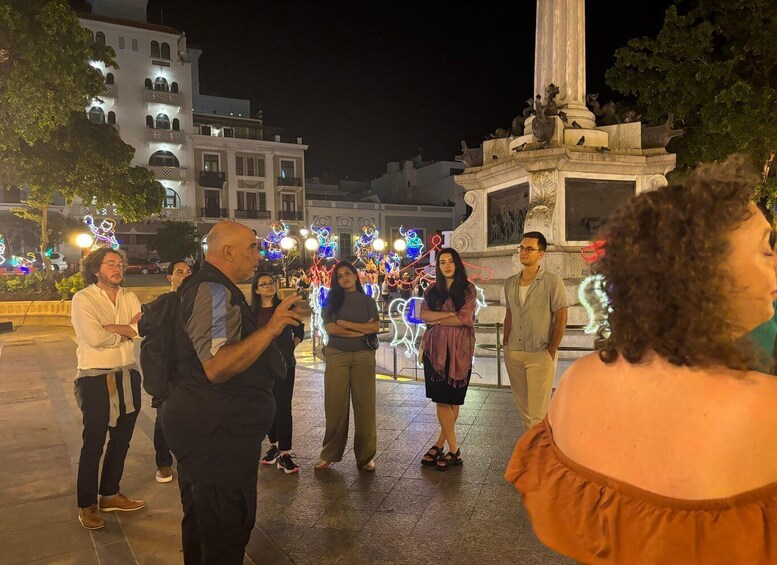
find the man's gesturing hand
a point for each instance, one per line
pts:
(284, 315)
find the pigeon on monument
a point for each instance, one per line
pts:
(563, 116)
(603, 149)
(575, 125)
(581, 141)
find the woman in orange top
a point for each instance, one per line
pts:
(662, 447)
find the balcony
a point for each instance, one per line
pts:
(252, 214)
(214, 212)
(110, 91)
(290, 181)
(162, 97)
(212, 179)
(184, 213)
(169, 173)
(164, 135)
(290, 215)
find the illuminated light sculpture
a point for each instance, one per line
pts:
(24, 264)
(415, 247)
(104, 234)
(391, 262)
(594, 251)
(593, 296)
(364, 246)
(272, 242)
(327, 246)
(372, 290)
(2, 250)
(318, 293)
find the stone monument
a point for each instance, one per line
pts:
(561, 176)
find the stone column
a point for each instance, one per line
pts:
(559, 55)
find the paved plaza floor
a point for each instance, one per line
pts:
(403, 513)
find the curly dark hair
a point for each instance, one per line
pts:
(662, 269)
(92, 262)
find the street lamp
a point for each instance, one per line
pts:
(304, 233)
(378, 244)
(400, 245)
(312, 245)
(84, 240)
(287, 243)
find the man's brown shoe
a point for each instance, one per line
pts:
(119, 503)
(90, 518)
(164, 474)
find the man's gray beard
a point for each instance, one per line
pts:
(107, 282)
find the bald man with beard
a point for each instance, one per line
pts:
(221, 403)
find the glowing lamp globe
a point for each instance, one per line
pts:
(378, 244)
(311, 244)
(303, 232)
(84, 240)
(287, 243)
(400, 245)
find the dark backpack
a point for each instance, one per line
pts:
(157, 360)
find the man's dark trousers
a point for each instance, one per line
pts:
(95, 406)
(163, 456)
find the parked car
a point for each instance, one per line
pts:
(58, 262)
(141, 266)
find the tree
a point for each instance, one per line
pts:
(175, 240)
(715, 67)
(21, 233)
(81, 160)
(287, 260)
(45, 70)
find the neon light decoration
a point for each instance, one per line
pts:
(593, 296)
(272, 243)
(104, 234)
(2, 250)
(318, 293)
(327, 246)
(364, 243)
(414, 244)
(592, 252)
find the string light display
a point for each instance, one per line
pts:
(2, 250)
(415, 246)
(104, 233)
(364, 245)
(272, 242)
(594, 251)
(327, 246)
(592, 295)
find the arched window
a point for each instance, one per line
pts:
(112, 118)
(163, 159)
(174, 87)
(148, 85)
(176, 124)
(161, 84)
(172, 200)
(155, 49)
(109, 78)
(91, 34)
(162, 121)
(96, 115)
(149, 122)
(165, 51)
(99, 38)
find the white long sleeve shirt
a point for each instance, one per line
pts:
(97, 347)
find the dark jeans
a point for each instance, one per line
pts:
(96, 411)
(163, 456)
(282, 424)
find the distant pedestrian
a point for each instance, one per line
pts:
(349, 317)
(264, 300)
(534, 325)
(448, 346)
(107, 385)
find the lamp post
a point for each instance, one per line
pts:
(287, 245)
(311, 244)
(84, 241)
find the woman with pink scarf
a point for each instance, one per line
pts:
(448, 346)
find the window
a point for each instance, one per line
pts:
(11, 195)
(172, 200)
(239, 166)
(163, 159)
(250, 167)
(162, 121)
(287, 169)
(155, 49)
(205, 130)
(251, 201)
(149, 122)
(109, 78)
(91, 34)
(121, 42)
(262, 201)
(241, 200)
(134, 44)
(99, 38)
(96, 115)
(148, 85)
(288, 203)
(112, 118)
(161, 84)
(165, 52)
(211, 162)
(260, 166)
(174, 87)
(227, 132)
(176, 124)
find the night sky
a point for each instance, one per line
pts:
(369, 82)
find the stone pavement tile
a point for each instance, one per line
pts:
(373, 482)
(342, 518)
(361, 500)
(390, 468)
(154, 535)
(417, 471)
(112, 533)
(420, 487)
(261, 549)
(31, 464)
(50, 487)
(32, 424)
(403, 503)
(118, 553)
(45, 542)
(318, 546)
(38, 513)
(83, 557)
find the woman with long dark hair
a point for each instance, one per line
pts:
(448, 345)
(349, 316)
(264, 300)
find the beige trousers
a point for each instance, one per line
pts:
(531, 378)
(349, 378)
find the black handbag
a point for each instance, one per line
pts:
(372, 341)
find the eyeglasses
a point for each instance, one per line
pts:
(266, 285)
(522, 248)
(112, 265)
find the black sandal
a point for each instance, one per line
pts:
(450, 460)
(434, 454)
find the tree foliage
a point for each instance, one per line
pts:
(45, 71)
(175, 240)
(21, 233)
(714, 65)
